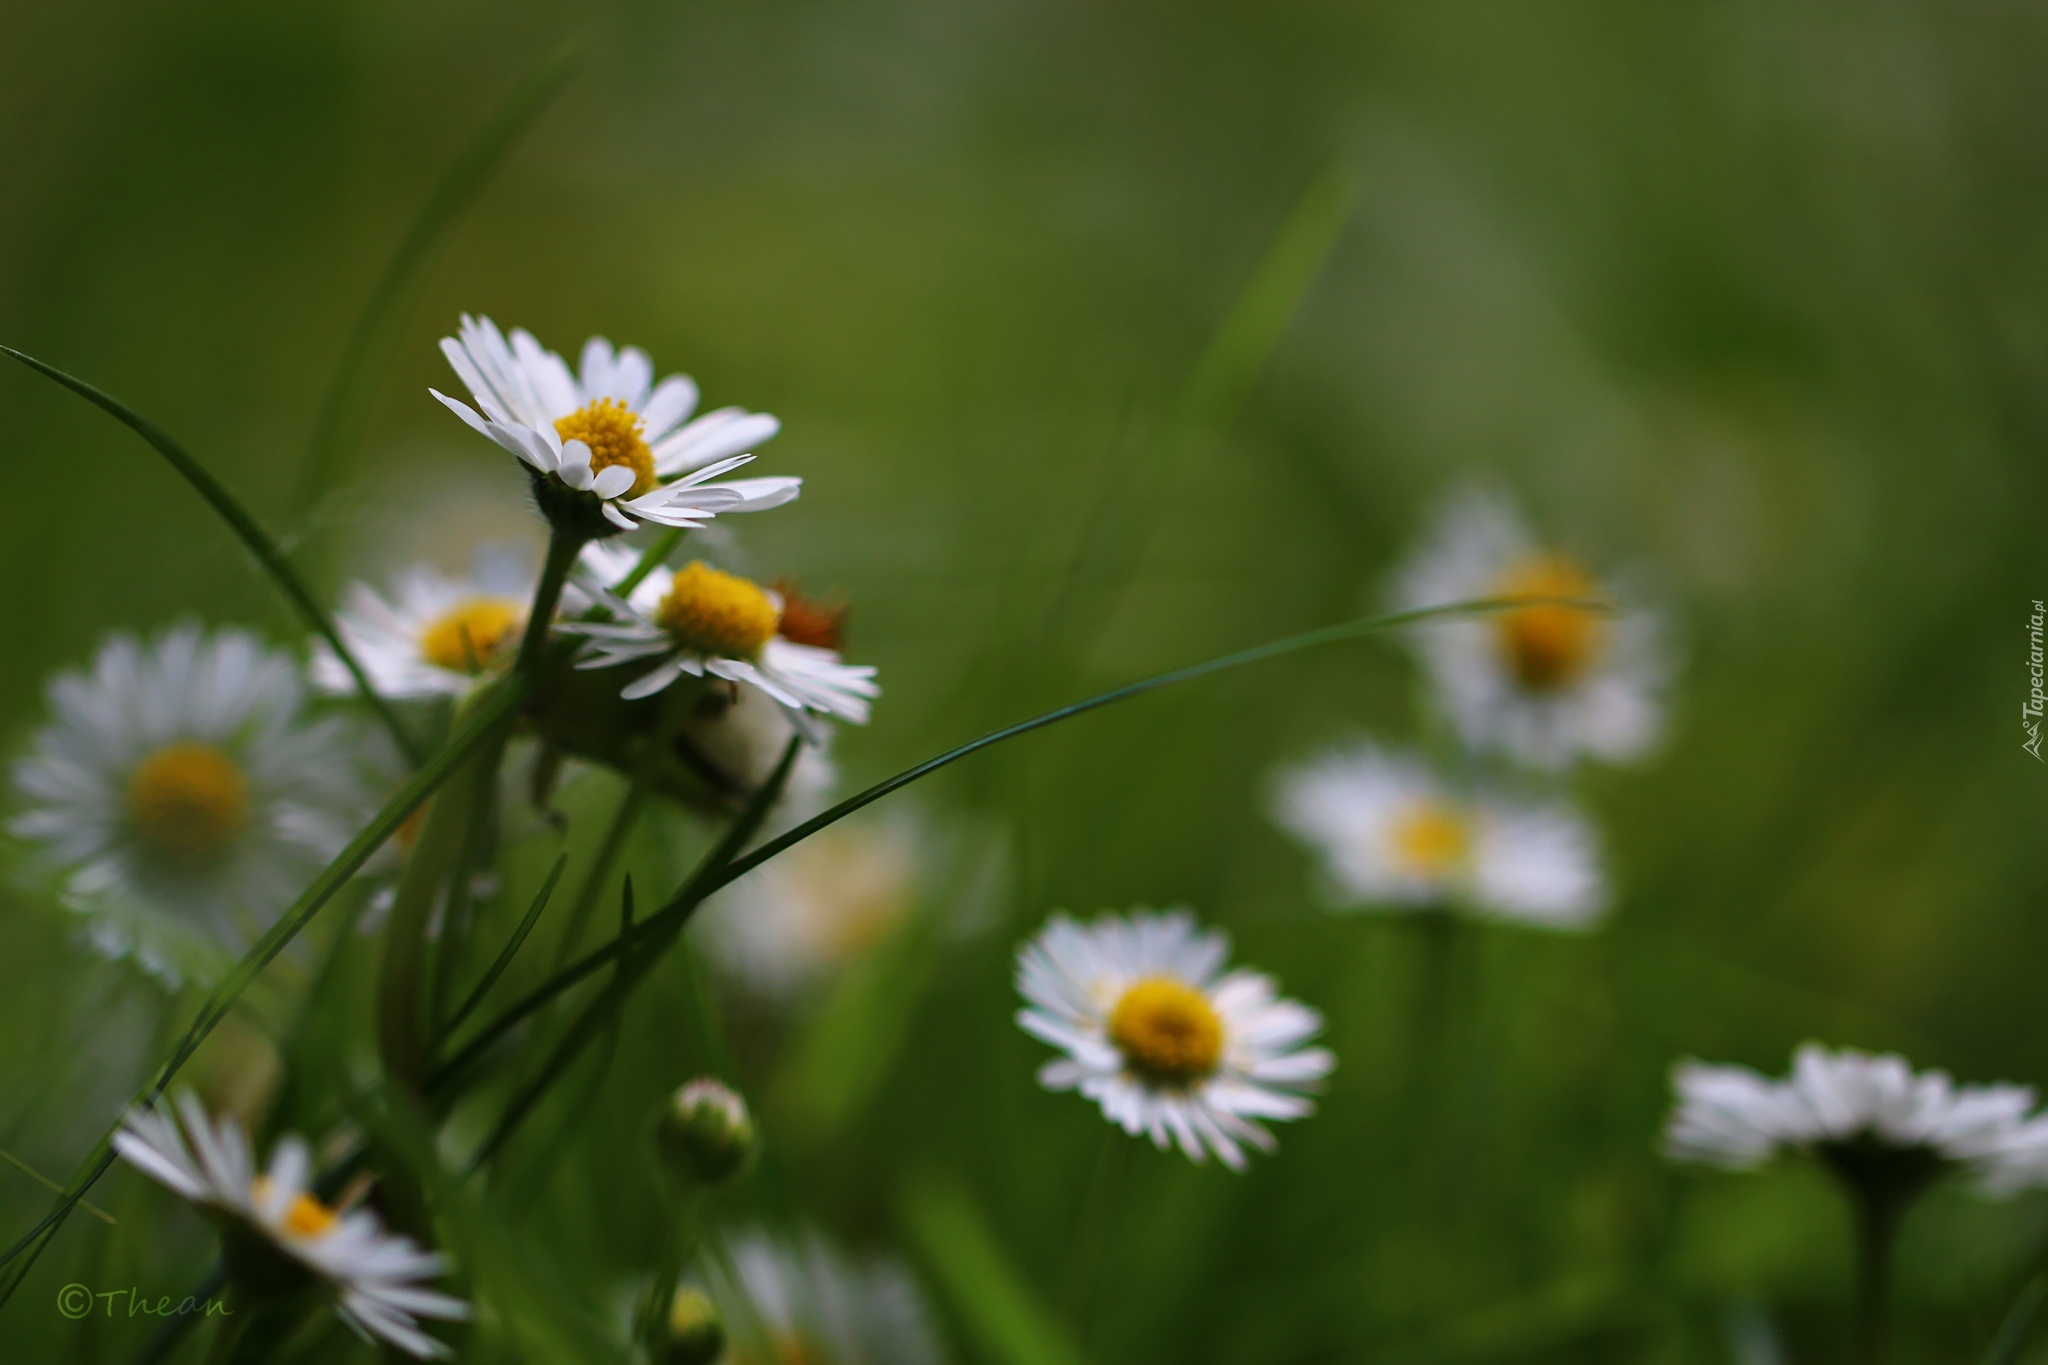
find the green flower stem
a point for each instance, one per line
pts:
(1878, 1215)
(664, 545)
(678, 1242)
(562, 552)
(1094, 1228)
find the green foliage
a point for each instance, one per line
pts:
(1106, 340)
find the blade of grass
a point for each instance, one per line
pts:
(510, 950)
(52, 1186)
(331, 879)
(679, 908)
(344, 410)
(245, 527)
(2013, 1331)
(1260, 314)
(631, 966)
(985, 1290)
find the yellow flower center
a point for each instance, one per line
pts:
(188, 801)
(1550, 645)
(717, 613)
(613, 432)
(1432, 839)
(306, 1218)
(1167, 1031)
(473, 635)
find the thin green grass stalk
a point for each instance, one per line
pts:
(1222, 377)
(274, 940)
(52, 1186)
(458, 905)
(246, 528)
(967, 1263)
(344, 411)
(1093, 1230)
(2013, 1331)
(673, 917)
(634, 965)
(497, 968)
(625, 819)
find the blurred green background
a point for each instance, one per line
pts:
(1750, 300)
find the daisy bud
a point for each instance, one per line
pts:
(691, 1333)
(706, 1136)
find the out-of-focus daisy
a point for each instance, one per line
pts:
(788, 924)
(805, 1302)
(699, 621)
(1393, 835)
(280, 1238)
(609, 449)
(437, 634)
(1163, 1038)
(1870, 1117)
(183, 796)
(1546, 683)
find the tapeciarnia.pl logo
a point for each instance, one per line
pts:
(2030, 714)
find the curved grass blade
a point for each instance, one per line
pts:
(344, 409)
(631, 967)
(674, 915)
(991, 1298)
(245, 527)
(511, 948)
(347, 863)
(2013, 1331)
(1260, 314)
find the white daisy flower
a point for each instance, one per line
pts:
(1159, 1035)
(1394, 836)
(806, 1301)
(437, 635)
(609, 449)
(791, 923)
(183, 797)
(277, 1232)
(1544, 683)
(1851, 1107)
(702, 622)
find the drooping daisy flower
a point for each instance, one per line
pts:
(1870, 1117)
(1159, 1035)
(607, 447)
(183, 797)
(805, 1302)
(1394, 836)
(788, 924)
(437, 635)
(703, 622)
(1545, 683)
(279, 1238)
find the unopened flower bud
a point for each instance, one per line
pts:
(706, 1134)
(691, 1333)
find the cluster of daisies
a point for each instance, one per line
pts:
(190, 785)
(1175, 1046)
(1567, 670)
